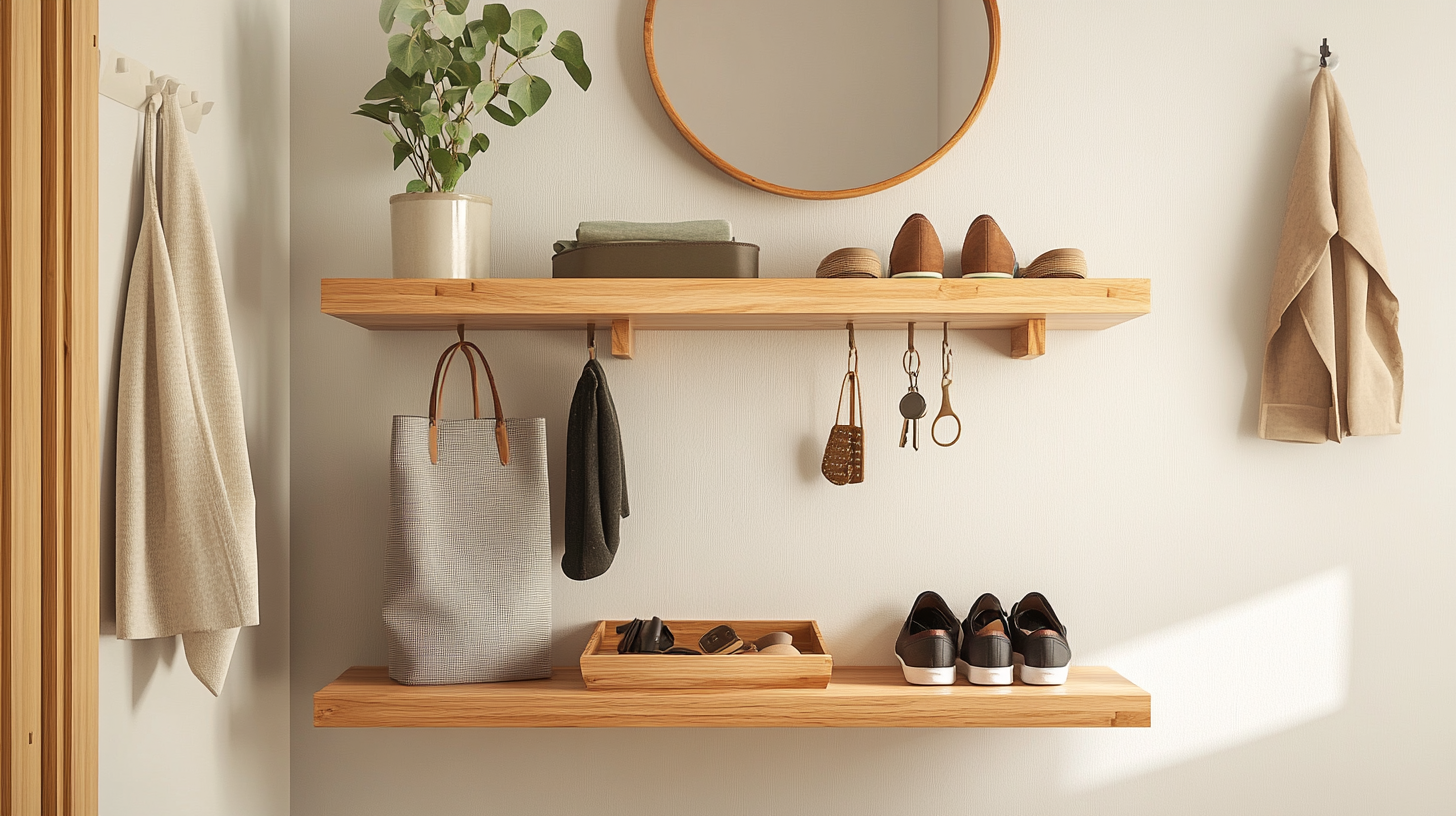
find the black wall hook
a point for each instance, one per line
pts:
(1324, 52)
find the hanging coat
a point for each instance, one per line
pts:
(186, 554)
(596, 478)
(1333, 365)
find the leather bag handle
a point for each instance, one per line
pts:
(437, 396)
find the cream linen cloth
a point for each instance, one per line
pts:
(186, 552)
(1332, 361)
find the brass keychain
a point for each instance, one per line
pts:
(945, 381)
(912, 405)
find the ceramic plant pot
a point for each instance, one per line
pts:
(440, 235)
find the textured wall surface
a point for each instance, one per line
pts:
(1285, 605)
(168, 747)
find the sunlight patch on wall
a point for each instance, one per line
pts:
(1226, 679)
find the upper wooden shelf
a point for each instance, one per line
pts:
(771, 304)
(869, 697)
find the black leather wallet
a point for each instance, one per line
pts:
(648, 637)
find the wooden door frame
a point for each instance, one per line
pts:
(49, 408)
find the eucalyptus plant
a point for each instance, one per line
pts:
(447, 68)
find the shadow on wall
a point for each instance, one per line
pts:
(1223, 680)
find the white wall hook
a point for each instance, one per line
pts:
(132, 84)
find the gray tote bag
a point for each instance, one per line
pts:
(467, 572)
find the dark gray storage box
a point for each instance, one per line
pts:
(659, 259)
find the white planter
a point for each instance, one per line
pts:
(440, 235)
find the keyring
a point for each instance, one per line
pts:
(946, 361)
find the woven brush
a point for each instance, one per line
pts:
(844, 453)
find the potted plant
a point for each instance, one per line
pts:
(442, 72)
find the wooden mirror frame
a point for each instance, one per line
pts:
(993, 18)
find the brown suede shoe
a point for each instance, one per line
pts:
(917, 252)
(986, 252)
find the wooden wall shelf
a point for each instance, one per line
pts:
(1027, 307)
(870, 697)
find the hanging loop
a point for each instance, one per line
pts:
(911, 360)
(853, 361)
(591, 340)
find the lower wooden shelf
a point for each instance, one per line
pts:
(857, 697)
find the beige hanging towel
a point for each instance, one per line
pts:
(1332, 361)
(186, 553)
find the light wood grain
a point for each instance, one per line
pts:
(623, 339)
(993, 16)
(70, 428)
(767, 304)
(603, 668)
(1028, 341)
(21, 472)
(873, 697)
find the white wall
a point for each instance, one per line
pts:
(167, 746)
(1286, 605)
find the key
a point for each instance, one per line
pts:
(912, 408)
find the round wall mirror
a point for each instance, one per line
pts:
(822, 98)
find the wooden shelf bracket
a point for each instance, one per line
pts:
(1028, 341)
(623, 338)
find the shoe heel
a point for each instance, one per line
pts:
(985, 675)
(1033, 676)
(917, 676)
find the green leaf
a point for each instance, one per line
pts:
(447, 166)
(451, 25)
(378, 113)
(581, 74)
(383, 89)
(464, 163)
(530, 92)
(406, 54)
(437, 57)
(471, 54)
(517, 111)
(434, 123)
(416, 97)
(457, 6)
(483, 92)
(386, 14)
(391, 136)
(479, 144)
(462, 132)
(568, 49)
(451, 129)
(497, 20)
(401, 152)
(500, 116)
(417, 186)
(527, 29)
(454, 96)
(464, 75)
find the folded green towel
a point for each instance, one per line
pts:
(606, 232)
(563, 246)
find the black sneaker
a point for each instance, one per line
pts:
(927, 643)
(986, 644)
(1039, 641)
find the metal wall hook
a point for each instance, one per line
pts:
(1328, 58)
(591, 340)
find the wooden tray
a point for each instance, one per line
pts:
(603, 668)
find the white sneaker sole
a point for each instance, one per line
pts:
(1032, 676)
(985, 676)
(916, 676)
